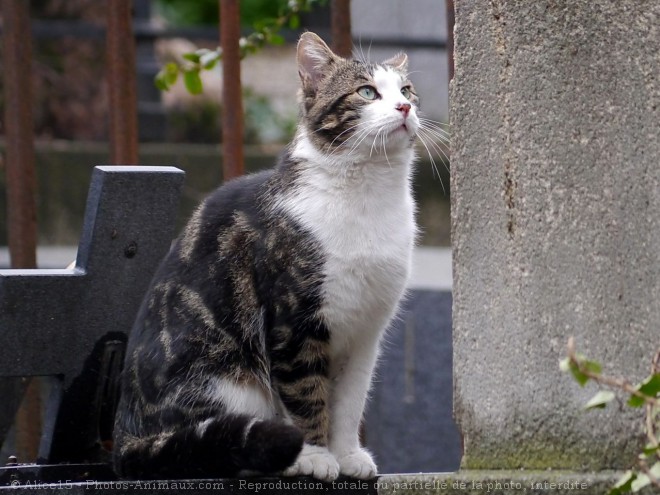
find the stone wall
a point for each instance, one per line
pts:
(556, 223)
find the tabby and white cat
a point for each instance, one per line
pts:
(255, 346)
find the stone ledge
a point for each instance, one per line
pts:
(468, 482)
(500, 482)
(228, 486)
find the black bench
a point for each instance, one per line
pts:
(70, 325)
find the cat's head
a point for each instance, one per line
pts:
(353, 107)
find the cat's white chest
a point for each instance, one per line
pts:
(366, 231)
(368, 249)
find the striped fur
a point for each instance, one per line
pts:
(255, 345)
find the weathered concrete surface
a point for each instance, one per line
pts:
(464, 483)
(500, 483)
(556, 223)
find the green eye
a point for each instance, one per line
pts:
(405, 91)
(367, 92)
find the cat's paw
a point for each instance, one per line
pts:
(358, 464)
(315, 461)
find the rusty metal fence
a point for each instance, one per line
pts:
(122, 104)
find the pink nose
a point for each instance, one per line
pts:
(404, 108)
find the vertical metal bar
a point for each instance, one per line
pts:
(122, 99)
(28, 421)
(21, 188)
(342, 41)
(450, 38)
(20, 166)
(232, 99)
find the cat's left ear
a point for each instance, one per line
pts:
(398, 62)
(314, 59)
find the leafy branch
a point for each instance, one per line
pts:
(646, 394)
(266, 31)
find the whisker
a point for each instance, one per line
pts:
(433, 164)
(428, 141)
(361, 135)
(344, 132)
(434, 125)
(367, 129)
(385, 151)
(373, 144)
(426, 119)
(429, 135)
(359, 55)
(439, 134)
(362, 138)
(415, 72)
(428, 151)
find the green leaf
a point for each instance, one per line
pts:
(640, 482)
(161, 82)
(209, 59)
(600, 400)
(577, 373)
(643, 480)
(649, 387)
(172, 72)
(193, 82)
(624, 484)
(193, 57)
(649, 451)
(277, 39)
(592, 366)
(167, 76)
(579, 367)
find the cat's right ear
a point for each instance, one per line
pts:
(314, 59)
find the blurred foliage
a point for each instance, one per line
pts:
(266, 31)
(263, 124)
(207, 12)
(200, 122)
(645, 395)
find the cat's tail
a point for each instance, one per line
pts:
(218, 447)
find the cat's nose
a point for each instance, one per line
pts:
(404, 108)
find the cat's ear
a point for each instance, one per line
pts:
(314, 59)
(398, 62)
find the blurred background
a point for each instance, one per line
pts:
(178, 128)
(409, 424)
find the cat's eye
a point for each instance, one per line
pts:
(367, 92)
(405, 91)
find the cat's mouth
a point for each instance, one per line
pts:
(404, 127)
(399, 130)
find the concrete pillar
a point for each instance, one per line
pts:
(556, 223)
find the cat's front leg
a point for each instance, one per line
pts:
(303, 386)
(352, 382)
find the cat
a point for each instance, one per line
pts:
(254, 349)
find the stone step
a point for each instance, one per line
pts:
(474, 482)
